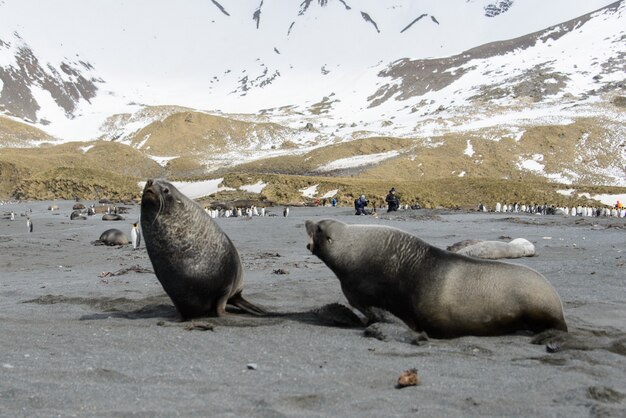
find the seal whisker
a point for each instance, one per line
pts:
(161, 204)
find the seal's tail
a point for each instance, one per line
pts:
(238, 301)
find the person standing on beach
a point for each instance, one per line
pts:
(392, 200)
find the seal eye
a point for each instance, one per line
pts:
(166, 190)
(329, 240)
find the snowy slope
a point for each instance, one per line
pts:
(241, 56)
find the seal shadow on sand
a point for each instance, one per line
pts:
(561, 347)
(160, 307)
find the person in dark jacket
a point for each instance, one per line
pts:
(359, 205)
(392, 200)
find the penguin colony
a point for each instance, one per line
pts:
(544, 209)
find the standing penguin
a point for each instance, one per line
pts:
(286, 211)
(12, 215)
(135, 235)
(29, 225)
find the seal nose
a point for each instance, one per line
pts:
(149, 183)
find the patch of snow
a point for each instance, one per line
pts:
(566, 192)
(532, 164)
(143, 142)
(254, 188)
(605, 199)
(358, 161)
(162, 161)
(469, 150)
(196, 189)
(462, 174)
(610, 199)
(330, 194)
(565, 177)
(86, 148)
(309, 191)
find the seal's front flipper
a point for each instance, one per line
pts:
(238, 301)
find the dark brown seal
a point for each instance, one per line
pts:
(196, 263)
(112, 217)
(442, 293)
(112, 237)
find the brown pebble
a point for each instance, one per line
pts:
(408, 378)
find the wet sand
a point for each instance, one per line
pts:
(76, 340)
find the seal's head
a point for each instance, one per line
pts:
(161, 197)
(321, 234)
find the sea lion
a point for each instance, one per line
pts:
(442, 293)
(112, 237)
(494, 250)
(195, 261)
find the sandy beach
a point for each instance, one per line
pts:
(85, 331)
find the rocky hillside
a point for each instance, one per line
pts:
(502, 91)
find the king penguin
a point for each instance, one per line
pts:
(135, 235)
(29, 225)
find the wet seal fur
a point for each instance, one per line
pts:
(494, 250)
(442, 293)
(196, 263)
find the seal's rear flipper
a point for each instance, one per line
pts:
(238, 301)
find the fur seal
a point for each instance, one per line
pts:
(493, 250)
(195, 261)
(442, 293)
(112, 237)
(112, 217)
(77, 214)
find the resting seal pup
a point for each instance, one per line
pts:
(519, 247)
(196, 263)
(442, 293)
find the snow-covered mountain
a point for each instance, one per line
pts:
(83, 70)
